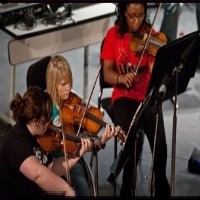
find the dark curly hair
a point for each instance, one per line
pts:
(121, 19)
(35, 103)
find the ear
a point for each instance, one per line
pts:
(35, 122)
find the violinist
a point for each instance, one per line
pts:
(130, 85)
(59, 83)
(25, 170)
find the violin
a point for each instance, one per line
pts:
(156, 41)
(52, 140)
(92, 123)
(72, 113)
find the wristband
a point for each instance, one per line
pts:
(98, 145)
(118, 78)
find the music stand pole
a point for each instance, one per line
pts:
(151, 182)
(175, 71)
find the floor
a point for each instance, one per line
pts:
(186, 119)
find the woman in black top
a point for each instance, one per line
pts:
(25, 170)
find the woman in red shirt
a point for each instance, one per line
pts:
(119, 66)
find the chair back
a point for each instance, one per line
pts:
(36, 74)
(105, 103)
(102, 82)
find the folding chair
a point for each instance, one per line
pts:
(36, 74)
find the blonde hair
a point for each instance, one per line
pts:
(57, 69)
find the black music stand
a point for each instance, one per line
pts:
(175, 63)
(184, 51)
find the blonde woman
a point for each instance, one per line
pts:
(59, 83)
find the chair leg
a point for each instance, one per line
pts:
(143, 137)
(173, 102)
(94, 167)
(115, 155)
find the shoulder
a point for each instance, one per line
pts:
(112, 34)
(19, 135)
(18, 144)
(113, 30)
(55, 112)
(18, 130)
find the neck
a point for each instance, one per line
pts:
(32, 129)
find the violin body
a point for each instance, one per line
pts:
(73, 99)
(92, 122)
(73, 111)
(155, 41)
(52, 140)
(71, 145)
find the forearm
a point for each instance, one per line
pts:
(61, 170)
(51, 183)
(111, 77)
(99, 143)
(109, 72)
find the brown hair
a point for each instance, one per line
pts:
(35, 103)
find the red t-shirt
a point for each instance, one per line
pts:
(117, 50)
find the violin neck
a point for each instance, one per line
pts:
(101, 122)
(95, 119)
(68, 136)
(72, 137)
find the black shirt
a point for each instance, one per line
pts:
(18, 146)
